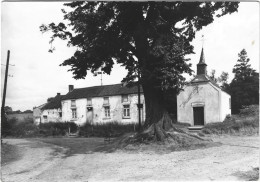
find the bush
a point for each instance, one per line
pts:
(231, 126)
(111, 129)
(57, 128)
(27, 128)
(249, 110)
(24, 128)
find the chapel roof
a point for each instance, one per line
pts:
(55, 103)
(101, 91)
(204, 78)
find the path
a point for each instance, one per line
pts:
(45, 162)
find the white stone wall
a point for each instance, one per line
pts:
(116, 110)
(225, 107)
(52, 115)
(205, 95)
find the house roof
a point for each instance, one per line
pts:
(55, 103)
(101, 91)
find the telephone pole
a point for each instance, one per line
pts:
(5, 83)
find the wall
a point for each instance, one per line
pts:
(116, 110)
(52, 115)
(203, 94)
(225, 109)
(37, 115)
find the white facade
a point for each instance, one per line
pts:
(51, 115)
(213, 103)
(118, 108)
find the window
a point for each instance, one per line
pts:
(229, 103)
(106, 100)
(60, 114)
(124, 98)
(74, 113)
(126, 111)
(107, 111)
(89, 101)
(45, 118)
(73, 103)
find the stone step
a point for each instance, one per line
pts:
(195, 128)
(73, 135)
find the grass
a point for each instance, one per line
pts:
(245, 123)
(251, 175)
(9, 153)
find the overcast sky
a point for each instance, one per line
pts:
(37, 74)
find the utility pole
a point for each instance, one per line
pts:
(99, 73)
(5, 83)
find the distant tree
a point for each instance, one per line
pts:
(212, 76)
(150, 39)
(244, 88)
(28, 111)
(222, 80)
(8, 109)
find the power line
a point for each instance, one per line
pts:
(9, 64)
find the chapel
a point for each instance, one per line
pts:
(202, 101)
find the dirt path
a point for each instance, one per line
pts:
(44, 162)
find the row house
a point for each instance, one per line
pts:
(49, 112)
(102, 104)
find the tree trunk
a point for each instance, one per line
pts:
(154, 104)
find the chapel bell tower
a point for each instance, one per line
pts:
(202, 66)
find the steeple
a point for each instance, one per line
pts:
(202, 66)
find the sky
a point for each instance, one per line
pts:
(36, 74)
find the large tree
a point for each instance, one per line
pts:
(149, 38)
(244, 88)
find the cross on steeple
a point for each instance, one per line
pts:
(202, 40)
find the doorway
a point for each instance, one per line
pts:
(90, 115)
(198, 113)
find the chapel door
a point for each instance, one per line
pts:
(90, 115)
(198, 113)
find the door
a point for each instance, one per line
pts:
(198, 113)
(90, 115)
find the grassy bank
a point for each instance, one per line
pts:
(245, 123)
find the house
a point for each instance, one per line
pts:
(202, 101)
(37, 111)
(102, 104)
(51, 111)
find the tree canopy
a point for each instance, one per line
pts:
(244, 88)
(149, 38)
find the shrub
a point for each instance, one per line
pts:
(57, 128)
(111, 129)
(232, 126)
(24, 128)
(249, 110)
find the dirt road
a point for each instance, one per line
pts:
(46, 162)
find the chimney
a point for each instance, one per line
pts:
(71, 87)
(58, 94)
